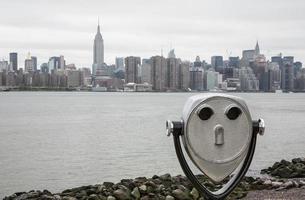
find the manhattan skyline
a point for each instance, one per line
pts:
(203, 28)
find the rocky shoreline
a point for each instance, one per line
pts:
(286, 174)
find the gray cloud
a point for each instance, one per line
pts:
(138, 27)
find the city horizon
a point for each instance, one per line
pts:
(202, 34)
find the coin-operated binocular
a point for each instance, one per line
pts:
(219, 137)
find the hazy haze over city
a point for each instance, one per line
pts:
(142, 28)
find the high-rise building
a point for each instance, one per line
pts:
(44, 68)
(288, 74)
(278, 60)
(98, 51)
(196, 79)
(172, 73)
(234, 62)
(131, 69)
(34, 59)
(62, 62)
(248, 81)
(119, 63)
(184, 76)
(14, 61)
(158, 73)
(29, 64)
(4, 65)
(210, 79)
(217, 63)
(146, 71)
(53, 63)
(198, 63)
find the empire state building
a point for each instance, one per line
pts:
(98, 51)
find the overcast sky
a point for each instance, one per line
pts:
(142, 27)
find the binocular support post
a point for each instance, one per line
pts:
(176, 129)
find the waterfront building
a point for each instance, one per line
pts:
(259, 67)
(62, 62)
(131, 69)
(288, 74)
(74, 78)
(10, 79)
(34, 60)
(273, 76)
(184, 76)
(217, 63)
(53, 63)
(210, 80)
(44, 68)
(119, 63)
(196, 79)
(158, 73)
(248, 81)
(233, 62)
(137, 87)
(300, 80)
(297, 66)
(98, 51)
(248, 55)
(146, 71)
(29, 64)
(277, 59)
(14, 61)
(4, 66)
(172, 73)
(232, 84)
(198, 63)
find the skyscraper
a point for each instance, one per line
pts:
(34, 59)
(217, 63)
(131, 72)
(98, 51)
(119, 62)
(29, 64)
(14, 61)
(158, 73)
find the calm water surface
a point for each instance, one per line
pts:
(58, 140)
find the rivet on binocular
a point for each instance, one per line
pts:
(219, 137)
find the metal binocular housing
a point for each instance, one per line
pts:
(219, 137)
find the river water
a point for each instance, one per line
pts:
(59, 140)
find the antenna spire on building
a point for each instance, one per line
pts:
(98, 24)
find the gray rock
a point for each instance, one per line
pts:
(276, 184)
(169, 197)
(22, 197)
(111, 198)
(143, 189)
(57, 197)
(288, 184)
(100, 189)
(194, 193)
(136, 193)
(69, 198)
(108, 184)
(181, 195)
(121, 194)
(46, 197)
(165, 177)
(267, 182)
(93, 197)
